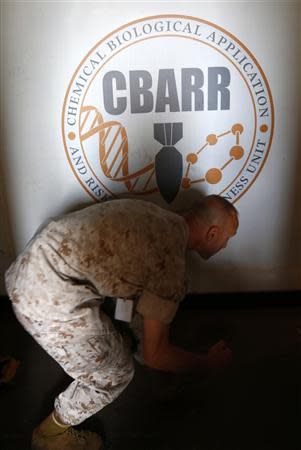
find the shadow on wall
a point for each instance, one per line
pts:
(184, 201)
(292, 250)
(216, 278)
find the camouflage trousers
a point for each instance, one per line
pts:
(98, 358)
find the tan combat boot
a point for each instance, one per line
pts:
(50, 435)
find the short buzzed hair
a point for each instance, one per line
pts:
(213, 210)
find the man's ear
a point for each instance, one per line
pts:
(212, 233)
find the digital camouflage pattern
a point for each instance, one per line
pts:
(120, 248)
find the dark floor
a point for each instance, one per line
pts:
(255, 405)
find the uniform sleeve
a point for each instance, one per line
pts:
(151, 306)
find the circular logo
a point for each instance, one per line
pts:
(166, 104)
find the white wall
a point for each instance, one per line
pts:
(6, 245)
(42, 45)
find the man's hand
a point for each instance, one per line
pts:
(219, 357)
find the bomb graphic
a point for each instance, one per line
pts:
(168, 161)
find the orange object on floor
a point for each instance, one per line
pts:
(8, 369)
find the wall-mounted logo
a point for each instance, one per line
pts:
(164, 104)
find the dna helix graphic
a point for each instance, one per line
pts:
(113, 154)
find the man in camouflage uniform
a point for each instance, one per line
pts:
(125, 249)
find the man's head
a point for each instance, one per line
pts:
(211, 222)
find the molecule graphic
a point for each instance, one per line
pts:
(214, 175)
(113, 154)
